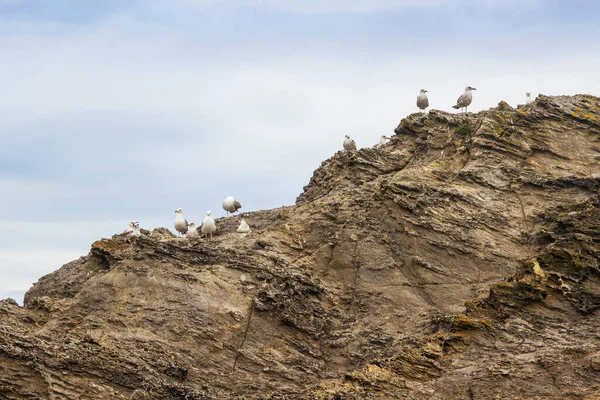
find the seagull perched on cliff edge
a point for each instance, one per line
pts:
(382, 141)
(181, 224)
(208, 225)
(465, 99)
(130, 227)
(231, 205)
(136, 230)
(528, 98)
(192, 232)
(243, 228)
(422, 100)
(349, 144)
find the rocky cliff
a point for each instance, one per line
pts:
(458, 261)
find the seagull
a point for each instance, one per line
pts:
(136, 230)
(243, 228)
(192, 232)
(465, 99)
(382, 141)
(181, 225)
(422, 100)
(208, 225)
(349, 144)
(231, 205)
(130, 227)
(528, 98)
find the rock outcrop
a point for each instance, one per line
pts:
(458, 261)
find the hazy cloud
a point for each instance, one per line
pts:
(345, 6)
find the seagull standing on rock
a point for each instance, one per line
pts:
(231, 205)
(192, 232)
(465, 99)
(208, 225)
(243, 228)
(130, 227)
(349, 144)
(528, 98)
(181, 225)
(422, 100)
(136, 230)
(382, 141)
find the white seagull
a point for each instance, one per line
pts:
(528, 98)
(231, 205)
(243, 228)
(130, 227)
(349, 144)
(181, 225)
(136, 230)
(192, 232)
(382, 141)
(208, 225)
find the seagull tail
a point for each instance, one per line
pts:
(455, 107)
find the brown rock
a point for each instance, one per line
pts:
(459, 261)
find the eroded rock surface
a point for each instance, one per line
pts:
(458, 261)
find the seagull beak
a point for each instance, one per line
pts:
(473, 88)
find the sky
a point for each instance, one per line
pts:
(121, 110)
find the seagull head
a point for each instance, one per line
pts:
(179, 211)
(192, 225)
(136, 224)
(469, 88)
(347, 137)
(423, 91)
(208, 213)
(528, 94)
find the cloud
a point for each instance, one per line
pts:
(20, 269)
(11, 2)
(345, 6)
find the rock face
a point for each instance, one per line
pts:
(458, 261)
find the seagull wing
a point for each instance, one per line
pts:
(461, 99)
